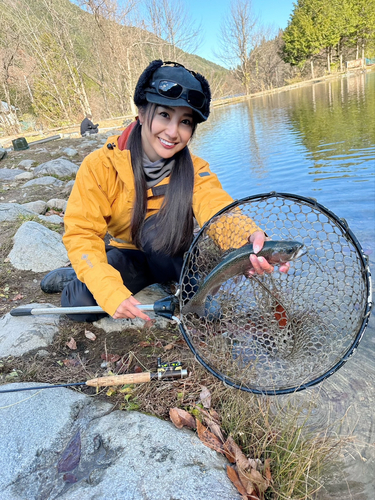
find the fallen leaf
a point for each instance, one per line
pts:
(208, 438)
(233, 476)
(71, 362)
(215, 428)
(137, 369)
(267, 469)
(181, 418)
(247, 483)
(111, 358)
(18, 297)
(89, 335)
(205, 397)
(234, 454)
(168, 347)
(72, 344)
(71, 456)
(144, 343)
(261, 483)
(149, 324)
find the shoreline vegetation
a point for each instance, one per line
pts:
(117, 123)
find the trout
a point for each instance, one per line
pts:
(238, 262)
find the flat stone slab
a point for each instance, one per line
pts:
(61, 444)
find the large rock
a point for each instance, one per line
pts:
(8, 174)
(60, 167)
(22, 334)
(37, 249)
(44, 181)
(39, 206)
(12, 211)
(27, 164)
(62, 444)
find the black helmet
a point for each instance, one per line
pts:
(171, 84)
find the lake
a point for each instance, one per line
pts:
(315, 141)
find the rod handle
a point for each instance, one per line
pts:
(129, 378)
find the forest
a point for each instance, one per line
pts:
(61, 60)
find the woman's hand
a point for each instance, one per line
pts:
(260, 264)
(128, 309)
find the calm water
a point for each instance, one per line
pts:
(316, 141)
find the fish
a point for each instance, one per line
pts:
(237, 262)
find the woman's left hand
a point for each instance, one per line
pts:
(260, 264)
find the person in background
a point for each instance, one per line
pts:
(87, 126)
(144, 188)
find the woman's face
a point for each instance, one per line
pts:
(169, 132)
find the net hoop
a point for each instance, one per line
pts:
(342, 225)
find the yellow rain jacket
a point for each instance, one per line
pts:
(102, 201)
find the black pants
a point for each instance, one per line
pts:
(138, 270)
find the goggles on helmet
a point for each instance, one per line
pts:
(173, 90)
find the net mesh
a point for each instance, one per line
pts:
(277, 331)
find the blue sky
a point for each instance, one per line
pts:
(211, 13)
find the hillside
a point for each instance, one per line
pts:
(61, 62)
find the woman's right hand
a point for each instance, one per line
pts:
(128, 309)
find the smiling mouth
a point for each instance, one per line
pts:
(166, 143)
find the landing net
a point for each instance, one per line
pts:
(278, 333)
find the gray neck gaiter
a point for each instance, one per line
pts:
(156, 171)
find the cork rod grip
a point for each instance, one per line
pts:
(129, 378)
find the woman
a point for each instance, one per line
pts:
(143, 188)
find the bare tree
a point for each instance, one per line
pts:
(174, 29)
(121, 55)
(240, 33)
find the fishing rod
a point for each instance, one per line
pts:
(167, 370)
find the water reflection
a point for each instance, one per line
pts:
(314, 141)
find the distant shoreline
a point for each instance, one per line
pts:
(231, 100)
(73, 129)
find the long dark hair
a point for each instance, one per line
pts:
(174, 220)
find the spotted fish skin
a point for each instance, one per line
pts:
(238, 262)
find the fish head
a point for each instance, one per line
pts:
(285, 251)
(292, 250)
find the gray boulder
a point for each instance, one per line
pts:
(60, 167)
(27, 164)
(21, 334)
(11, 211)
(39, 206)
(69, 446)
(70, 152)
(44, 181)
(25, 176)
(37, 249)
(57, 203)
(9, 174)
